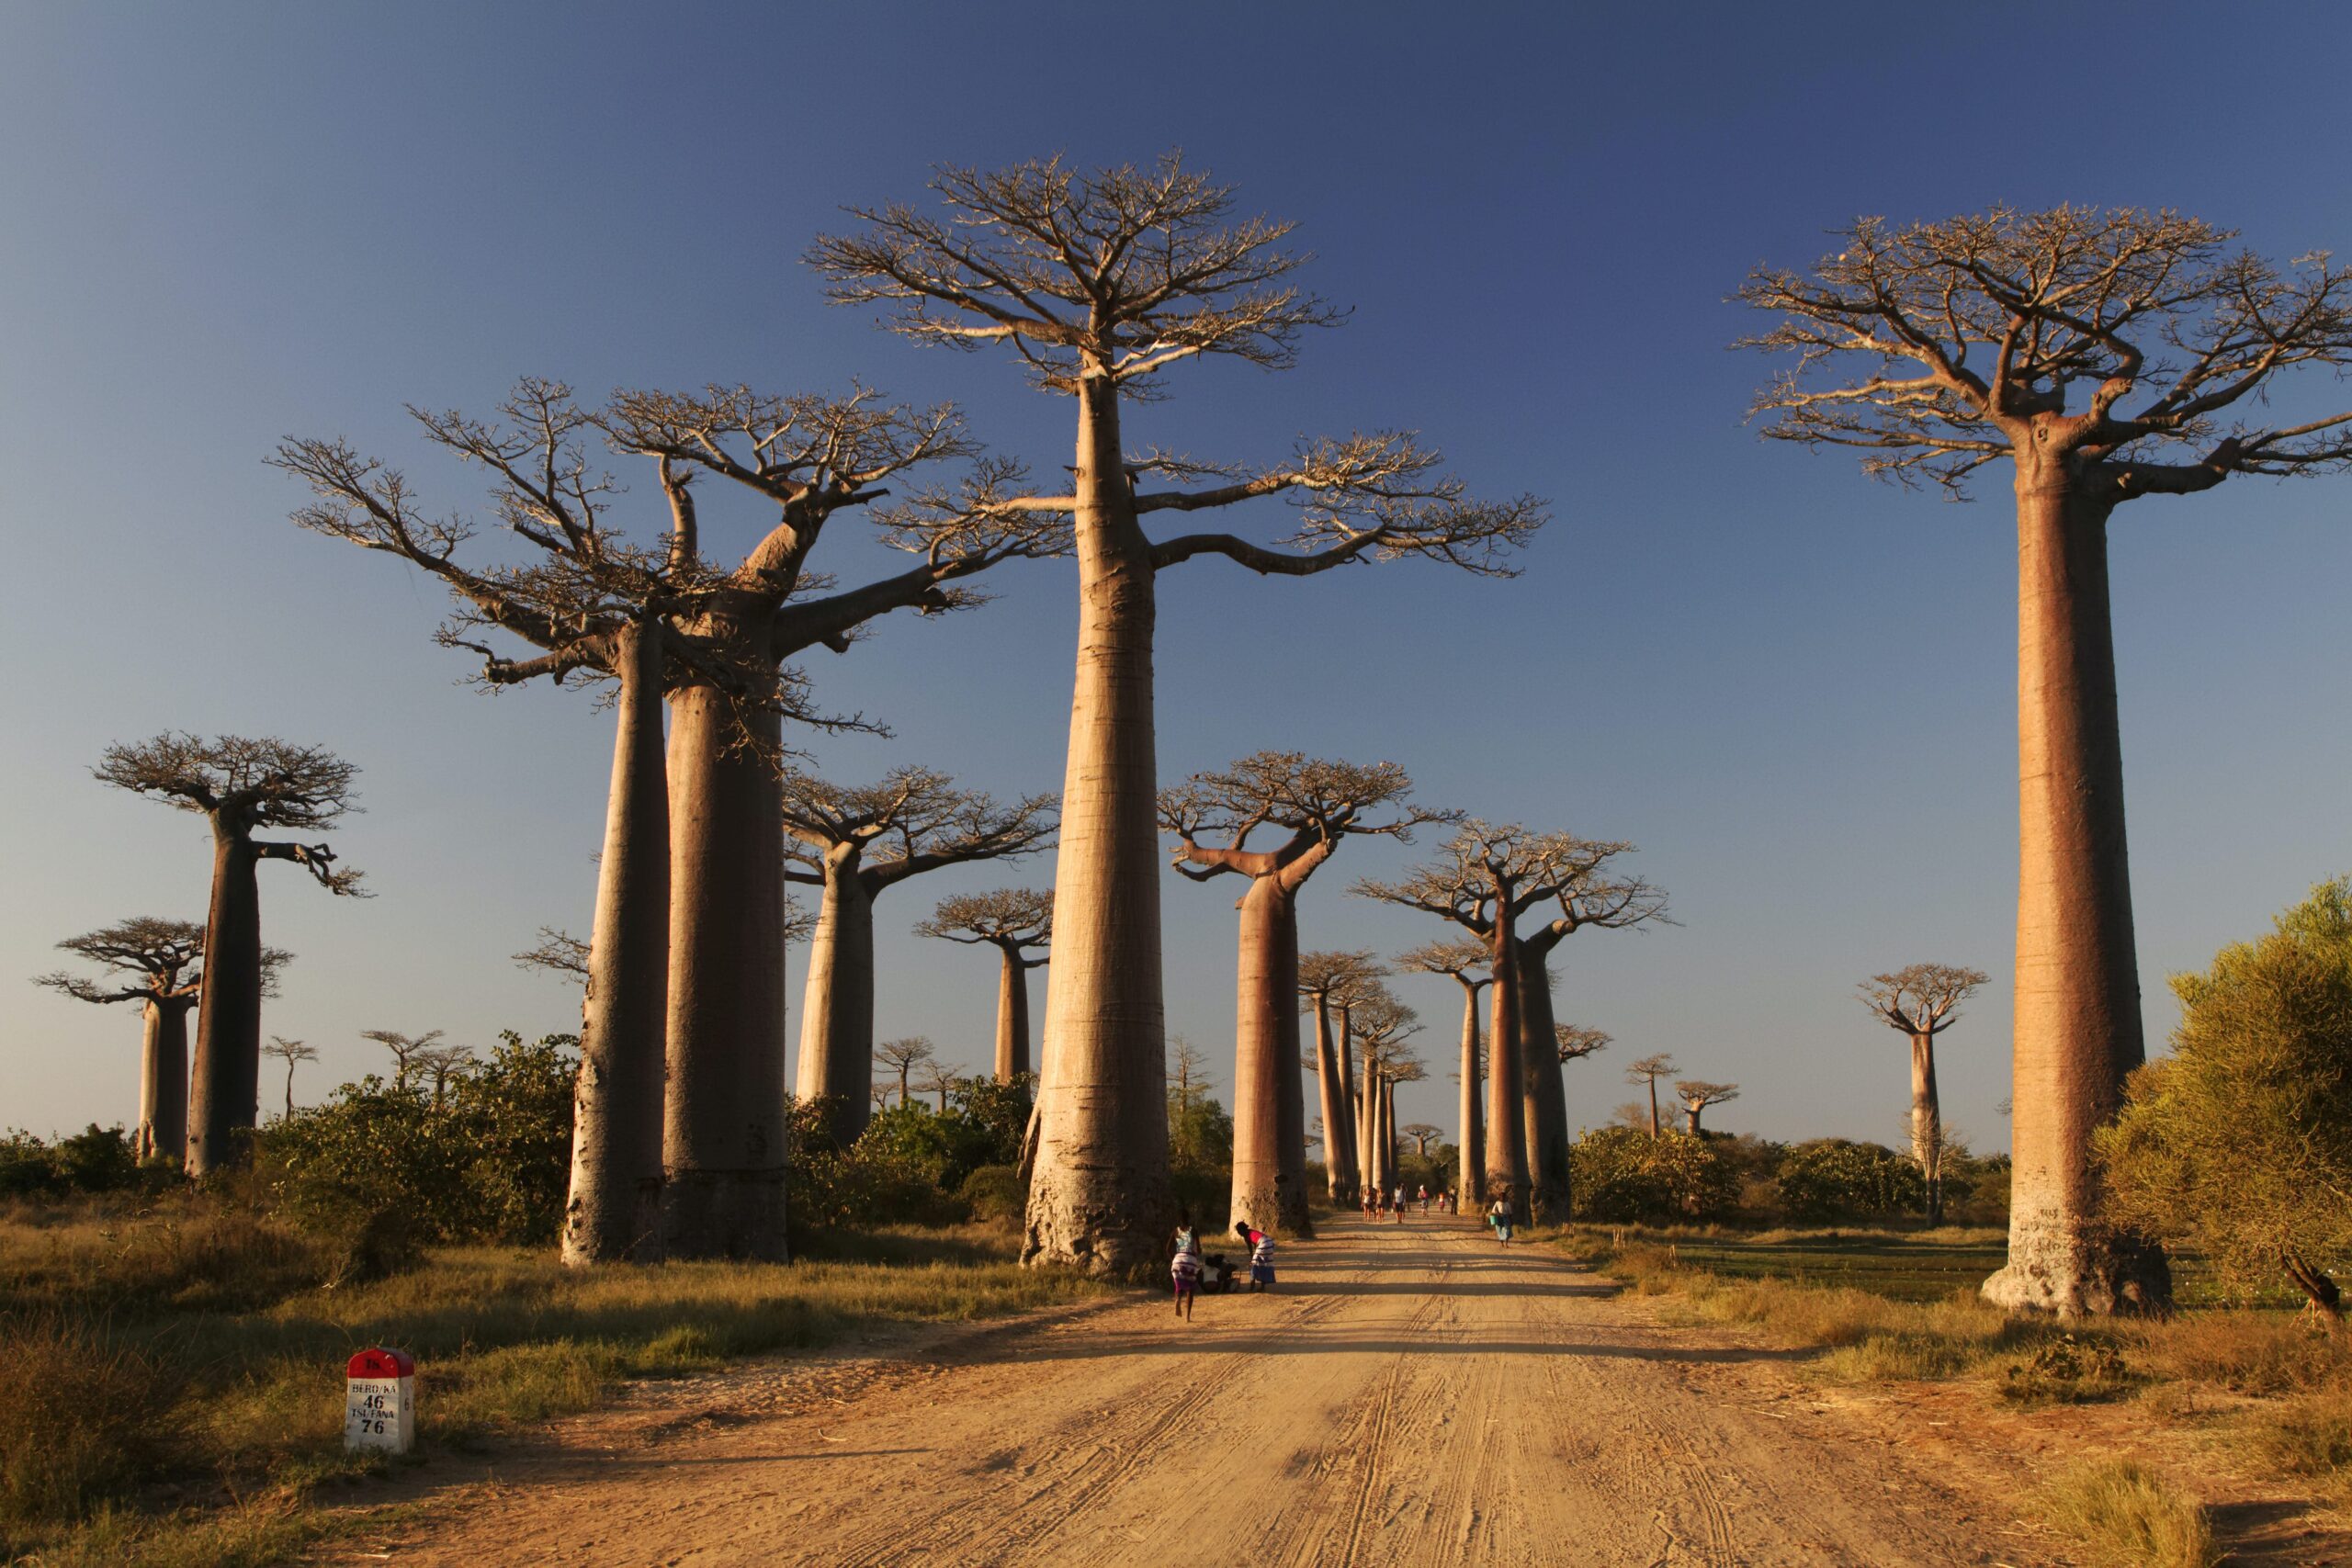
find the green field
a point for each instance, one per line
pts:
(1924, 1266)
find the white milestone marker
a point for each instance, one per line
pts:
(379, 1406)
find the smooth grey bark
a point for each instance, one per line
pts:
(2078, 1031)
(837, 1010)
(163, 1078)
(224, 1089)
(1332, 1081)
(724, 1124)
(613, 1210)
(1012, 1014)
(1926, 1121)
(1507, 1173)
(1099, 1199)
(1547, 1105)
(1470, 1154)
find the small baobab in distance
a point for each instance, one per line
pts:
(158, 964)
(1333, 982)
(855, 843)
(241, 786)
(1463, 961)
(1646, 1072)
(1309, 806)
(293, 1053)
(1697, 1094)
(2106, 356)
(1014, 920)
(1100, 283)
(1922, 1000)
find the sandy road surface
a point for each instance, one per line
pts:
(1414, 1394)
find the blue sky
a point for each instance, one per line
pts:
(1793, 688)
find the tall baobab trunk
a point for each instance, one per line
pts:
(163, 1080)
(1389, 1170)
(614, 1211)
(1506, 1122)
(1349, 1119)
(1269, 1124)
(225, 1092)
(1547, 1100)
(1099, 1196)
(1472, 1151)
(724, 1124)
(1927, 1123)
(2078, 1028)
(1366, 1111)
(1012, 1015)
(837, 1010)
(1657, 1127)
(1330, 1079)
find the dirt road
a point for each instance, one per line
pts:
(1413, 1394)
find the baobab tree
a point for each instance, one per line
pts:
(855, 843)
(1486, 877)
(1647, 1071)
(292, 1053)
(1332, 982)
(407, 1049)
(442, 1063)
(811, 459)
(902, 1057)
(158, 964)
(1310, 805)
(938, 1078)
(240, 787)
(1380, 1024)
(1100, 282)
(1463, 961)
(1923, 1000)
(2108, 357)
(1014, 920)
(1696, 1095)
(660, 620)
(1422, 1134)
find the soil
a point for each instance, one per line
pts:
(1411, 1394)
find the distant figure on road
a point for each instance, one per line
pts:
(1261, 1256)
(1399, 1200)
(1425, 1198)
(1500, 1217)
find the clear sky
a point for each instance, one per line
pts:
(1792, 687)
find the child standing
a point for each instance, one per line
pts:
(1261, 1256)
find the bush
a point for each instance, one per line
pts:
(2125, 1515)
(379, 1164)
(1836, 1179)
(96, 1159)
(995, 1192)
(2238, 1146)
(1620, 1175)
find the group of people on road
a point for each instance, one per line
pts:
(1187, 1267)
(1392, 1202)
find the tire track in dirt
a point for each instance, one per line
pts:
(1412, 1393)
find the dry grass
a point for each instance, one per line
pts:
(149, 1355)
(2119, 1514)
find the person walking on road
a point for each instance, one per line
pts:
(1500, 1217)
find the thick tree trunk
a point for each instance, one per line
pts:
(1506, 1079)
(2078, 1028)
(1099, 1199)
(1367, 1112)
(1928, 1123)
(1547, 1100)
(1339, 1161)
(1470, 1153)
(225, 1092)
(1655, 1127)
(1390, 1171)
(1012, 1015)
(163, 1080)
(1269, 1188)
(1691, 1119)
(723, 1137)
(837, 1011)
(614, 1211)
(2322, 1291)
(1346, 1037)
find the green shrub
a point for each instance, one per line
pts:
(1836, 1179)
(96, 1159)
(379, 1163)
(1620, 1175)
(995, 1192)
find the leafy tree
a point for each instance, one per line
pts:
(1622, 1174)
(1837, 1178)
(2239, 1144)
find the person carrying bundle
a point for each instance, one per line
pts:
(1261, 1256)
